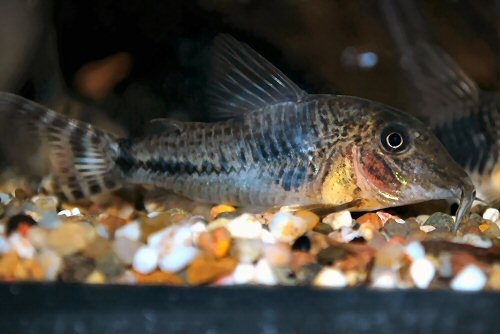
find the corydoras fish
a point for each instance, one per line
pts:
(464, 118)
(278, 146)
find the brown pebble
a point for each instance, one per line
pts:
(206, 269)
(494, 280)
(395, 229)
(323, 228)
(110, 265)
(460, 260)
(319, 241)
(8, 263)
(14, 268)
(301, 259)
(160, 221)
(158, 277)
(111, 223)
(76, 268)
(97, 248)
(493, 231)
(330, 255)
(21, 194)
(413, 224)
(70, 238)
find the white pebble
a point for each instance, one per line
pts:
(131, 231)
(196, 229)
(346, 234)
(102, 231)
(386, 279)
(245, 226)
(278, 254)
(287, 227)
(384, 218)
(491, 214)
(427, 228)
(267, 237)
(22, 246)
(125, 249)
(50, 262)
(243, 273)
(155, 239)
(422, 272)
(422, 219)
(4, 198)
(37, 237)
(264, 273)
(45, 203)
(50, 220)
(329, 277)
(175, 248)
(445, 268)
(64, 212)
(415, 250)
(177, 258)
(471, 278)
(340, 219)
(145, 260)
(69, 213)
(4, 245)
(474, 240)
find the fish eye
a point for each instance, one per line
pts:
(394, 139)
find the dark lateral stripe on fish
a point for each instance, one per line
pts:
(172, 167)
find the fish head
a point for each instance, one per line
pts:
(399, 161)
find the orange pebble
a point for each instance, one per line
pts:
(371, 218)
(158, 277)
(216, 243)
(397, 240)
(221, 208)
(206, 269)
(23, 229)
(484, 227)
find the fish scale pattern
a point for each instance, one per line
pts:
(265, 157)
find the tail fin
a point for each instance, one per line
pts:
(79, 157)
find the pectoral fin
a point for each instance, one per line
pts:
(323, 210)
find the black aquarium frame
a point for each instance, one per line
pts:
(112, 309)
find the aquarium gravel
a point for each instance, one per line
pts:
(42, 239)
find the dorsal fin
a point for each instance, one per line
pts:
(243, 80)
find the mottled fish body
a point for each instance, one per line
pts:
(278, 146)
(288, 153)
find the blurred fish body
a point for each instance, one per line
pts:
(277, 146)
(464, 118)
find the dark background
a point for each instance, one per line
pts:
(167, 44)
